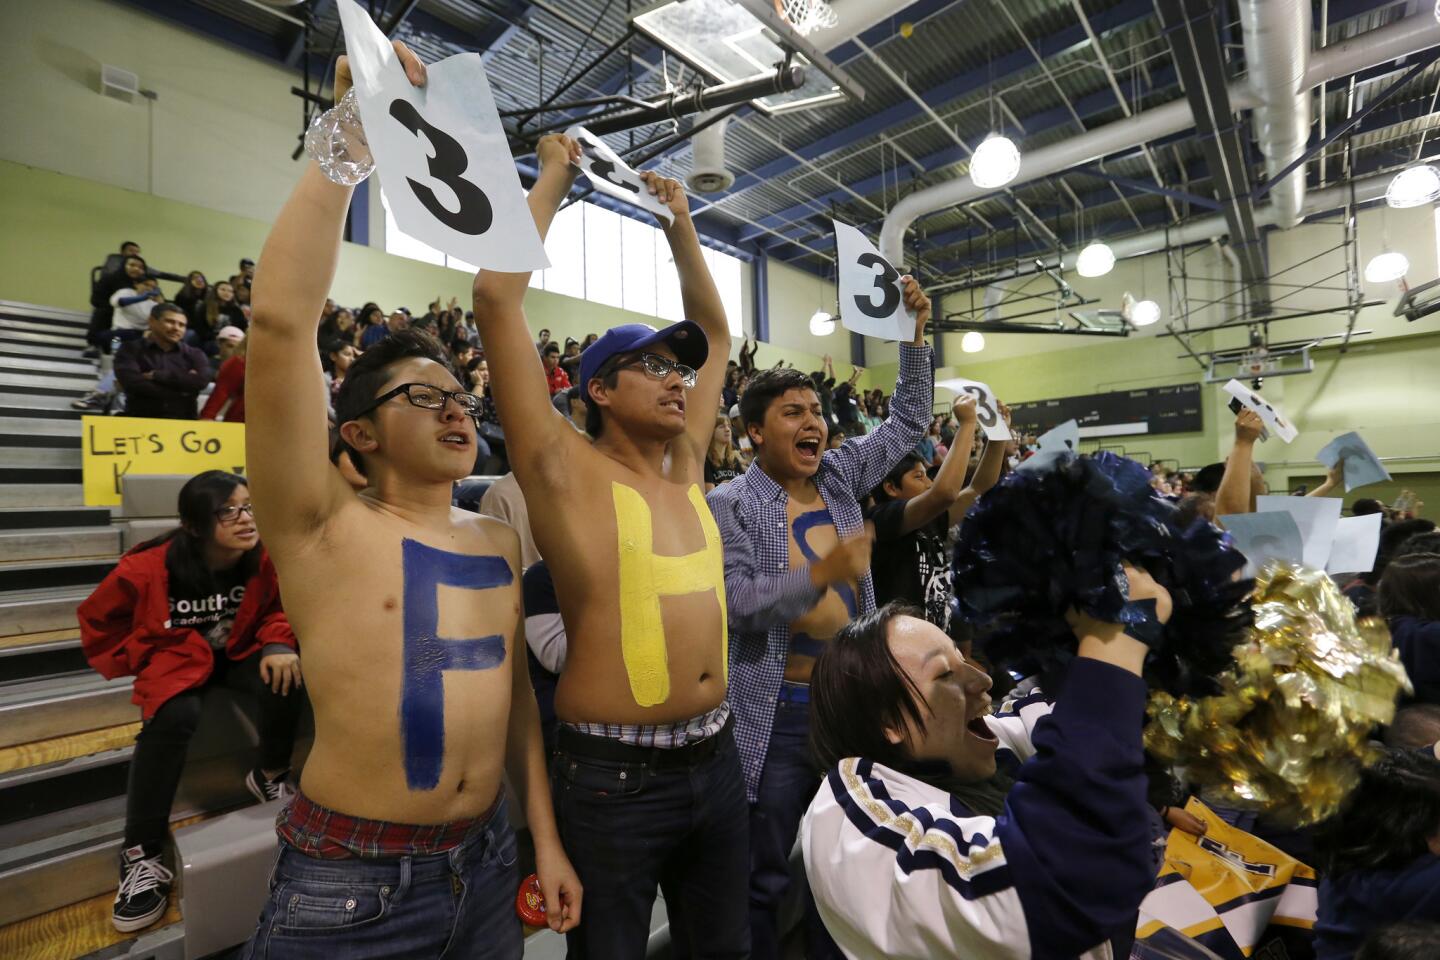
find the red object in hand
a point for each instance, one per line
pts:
(529, 903)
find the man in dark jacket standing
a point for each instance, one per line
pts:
(162, 376)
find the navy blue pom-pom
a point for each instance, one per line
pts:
(1044, 541)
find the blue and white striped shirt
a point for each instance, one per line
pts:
(762, 594)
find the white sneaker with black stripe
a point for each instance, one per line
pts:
(144, 891)
(264, 789)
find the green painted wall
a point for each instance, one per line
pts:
(54, 227)
(1387, 389)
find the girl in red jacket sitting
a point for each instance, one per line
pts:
(197, 607)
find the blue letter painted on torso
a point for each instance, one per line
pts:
(428, 655)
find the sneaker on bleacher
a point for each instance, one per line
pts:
(265, 789)
(96, 401)
(144, 891)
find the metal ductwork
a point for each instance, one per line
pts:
(707, 157)
(1408, 36)
(1277, 58)
(1203, 229)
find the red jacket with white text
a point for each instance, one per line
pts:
(125, 628)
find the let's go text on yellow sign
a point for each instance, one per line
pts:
(117, 447)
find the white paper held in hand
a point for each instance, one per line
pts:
(1316, 517)
(987, 408)
(1274, 419)
(871, 299)
(612, 176)
(1357, 541)
(443, 158)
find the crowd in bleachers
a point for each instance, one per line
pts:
(845, 700)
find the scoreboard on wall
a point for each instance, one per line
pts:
(1155, 410)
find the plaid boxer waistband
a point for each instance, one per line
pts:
(327, 834)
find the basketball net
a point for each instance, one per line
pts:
(807, 16)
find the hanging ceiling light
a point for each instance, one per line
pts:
(1096, 260)
(973, 342)
(995, 163)
(1414, 187)
(1145, 313)
(822, 324)
(1388, 266)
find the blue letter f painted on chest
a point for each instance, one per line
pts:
(428, 655)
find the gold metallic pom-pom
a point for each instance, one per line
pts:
(1290, 729)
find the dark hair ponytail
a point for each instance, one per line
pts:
(202, 495)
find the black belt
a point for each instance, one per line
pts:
(570, 740)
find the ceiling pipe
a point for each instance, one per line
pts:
(1200, 230)
(1277, 58)
(1408, 36)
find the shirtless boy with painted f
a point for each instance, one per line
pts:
(647, 780)
(398, 844)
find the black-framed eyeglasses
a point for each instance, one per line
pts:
(429, 397)
(230, 513)
(659, 367)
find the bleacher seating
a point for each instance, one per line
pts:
(67, 734)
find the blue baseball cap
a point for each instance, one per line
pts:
(685, 338)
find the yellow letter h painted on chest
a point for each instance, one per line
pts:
(646, 577)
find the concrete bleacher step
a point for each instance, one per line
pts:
(35, 351)
(40, 311)
(35, 710)
(41, 660)
(59, 543)
(24, 506)
(58, 333)
(41, 456)
(31, 476)
(44, 385)
(40, 432)
(24, 613)
(76, 367)
(52, 574)
(38, 406)
(68, 346)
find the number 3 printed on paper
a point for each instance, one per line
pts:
(886, 282)
(604, 169)
(446, 164)
(984, 412)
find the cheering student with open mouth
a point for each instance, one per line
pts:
(647, 781)
(399, 842)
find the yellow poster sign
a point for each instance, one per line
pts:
(116, 447)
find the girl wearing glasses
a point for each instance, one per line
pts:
(183, 613)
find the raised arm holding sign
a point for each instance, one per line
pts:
(872, 299)
(987, 407)
(611, 176)
(443, 157)
(415, 658)
(1269, 413)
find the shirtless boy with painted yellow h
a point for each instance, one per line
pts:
(398, 843)
(647, 781)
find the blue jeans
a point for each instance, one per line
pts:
(630, 827)
(787, 785)
(460, 903)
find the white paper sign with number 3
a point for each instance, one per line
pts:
(443, 158)
(871, 300)
(1269, 413)
(610, 175)
(987, 408)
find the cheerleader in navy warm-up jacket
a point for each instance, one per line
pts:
(944, 831)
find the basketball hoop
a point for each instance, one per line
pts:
(807, 16)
